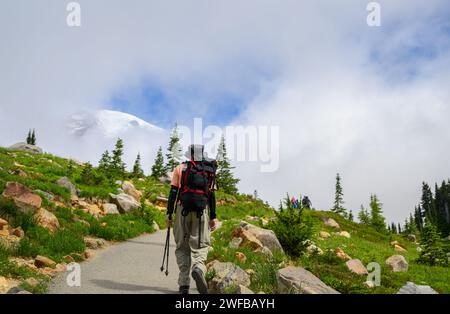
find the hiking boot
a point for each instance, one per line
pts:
(184, 289)
(200, 280)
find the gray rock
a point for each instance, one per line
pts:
(110, 209)
(265, 236)
(412, 288)
(125, 203)
(243, 290)
(397, 263)
(65, 183)
(356, 266)
(17, 290)
(47, 195)
(330, 222)
(412, 238)
(298, 280)
(24, 147)
(226, 275)
(235, 242)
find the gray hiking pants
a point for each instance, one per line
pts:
(187, 252)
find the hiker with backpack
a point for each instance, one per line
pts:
(191, 211)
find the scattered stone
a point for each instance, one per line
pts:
(235, 242)
(68, 259)
(369, 284)
(24, 147)
(125, 203)
(251, 218)
(265, 251)
(248, 239)
(324, 234)
(3, 222)
(47, 195)
(161, 201)
(20, 173)
(313, 249)
(394, 243)
(66, 183)
(155, 226)
(397, 263)
(42, 261)
(26, 201)
(240, 257)
(81, 221)
(342, 255)
(330, 222)
(344, 234)
(419, 249)
(357, 267)
(412, 288)
(93, 210)
(412, 238)
(17, 290)
(264, 221)
(110, 209)
(265, 236)
(240, 289)
(250, 272)
(398, 248)
(47, 220)
(298, 280)
(128, 188)
(18, 232)
(94, 243)
(226, 275)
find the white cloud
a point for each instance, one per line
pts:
(381, 124)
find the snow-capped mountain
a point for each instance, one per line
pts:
(109, 123)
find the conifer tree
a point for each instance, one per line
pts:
(224, 176)
(158, 167)
(339, 198)
(174, 152)
(432, 252)
(363, 216)
(70, 168)
(137, 168)
(377, 220)
(33, 138)
(87, 174)
(105, 162)
(427, 203)
(350, 215)
(29, 137)
(117, 167)
(399, 228)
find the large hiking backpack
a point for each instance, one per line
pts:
(198, 179)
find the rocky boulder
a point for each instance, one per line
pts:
(42, 261)
(412, 288)
(235, 242)
(265, 236)
(298, 280)
(330, 222)
(357, 267)
(162, 201)
(125, 203)
(248, 239)
(110, 209)
(128, 188)
(94, 243)
(3, 222)
(345, 234)
(24, 147)
(226, 275)
(26, 201)
(47, 220)
(412, 238)
(240, 289)
(66, 183)
(397, 263)
(324, 235)
(342, 255)
(399, 248)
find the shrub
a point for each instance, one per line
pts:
(292, 229)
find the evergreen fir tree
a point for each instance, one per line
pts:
(174, 152)
(158, 167)
(70, 168)
(427, 203)
(87, 174)
(350, 215)
(105, 162)
(399, 228)
(418, 218)
(33, 138)
(376, 220)
(363, 216)
(432, 252)
(29, 137)
(137, 168)
(224, 177)
(117, 167)
(339, 198)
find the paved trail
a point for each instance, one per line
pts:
(128, 267)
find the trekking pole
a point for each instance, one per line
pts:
(166, 248)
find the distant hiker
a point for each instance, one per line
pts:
(191, 193)
(306, 203)
(294, 202)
